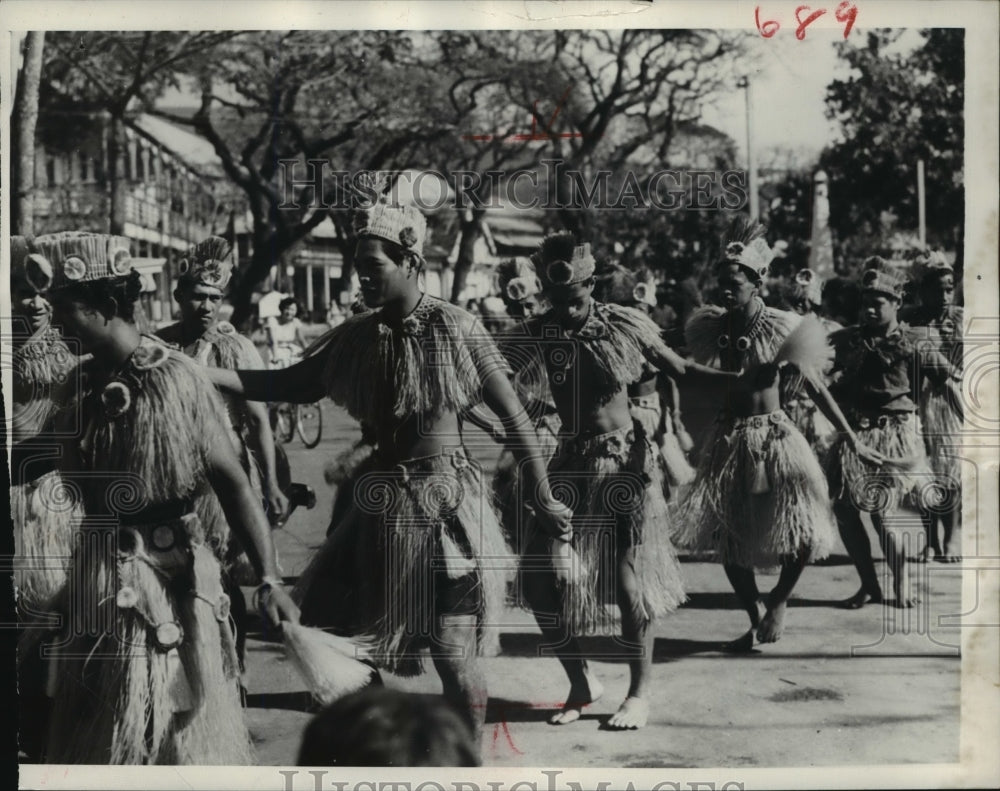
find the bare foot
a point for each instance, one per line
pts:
(929, 552)
(632, 714)
(905, 598)
(952, 552)
(773, 624)
(861, 598)
(579, 697)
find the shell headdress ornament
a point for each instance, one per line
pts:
(78, 257)
(744, 244)
(809, 285)
(28, 267)
(645, 290)
(517, 280)
(207, 263)
(881, 277)
(560, 261)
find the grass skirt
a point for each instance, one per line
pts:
(819, 432)
(942, 431)
(895, 435)
(46, 513)
(125, 690)
(613, 483)
(415, 533)
(760, 494)
(661, 430)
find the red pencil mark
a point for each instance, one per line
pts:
(800, 31)
(506, 732)
(847, 12)
(501, 726)
(769, 28)
(534, 134)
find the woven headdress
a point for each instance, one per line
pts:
(808, 285)
(207, 263)
(517, 280)
(63, 259)
(560, 261)
(930, 264)
(402, 225)
(881, 277)
(744, 244)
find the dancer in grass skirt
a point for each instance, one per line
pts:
(619, 550)
(418, 561)
(760, 498)
(145, 668)
(940, 406)
(879, 368)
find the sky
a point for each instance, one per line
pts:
(788, 91)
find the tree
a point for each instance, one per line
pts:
(893, 110)
(294, 117)
(622, 95)
(23, 123)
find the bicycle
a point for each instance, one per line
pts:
(287, 420)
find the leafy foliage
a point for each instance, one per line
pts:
(896, 109)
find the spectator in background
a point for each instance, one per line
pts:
(284, 334)
(386, 727)
(269, 305)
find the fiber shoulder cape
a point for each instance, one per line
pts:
(432, 362)
(708, 324)
(164, 690)
(617, 340)
(221, 346)
(898, 348)
(42, 365)
(152, 424)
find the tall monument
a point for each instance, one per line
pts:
(820, 242)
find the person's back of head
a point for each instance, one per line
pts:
(385, 727)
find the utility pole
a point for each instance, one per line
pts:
(746, 85)
(921, 204)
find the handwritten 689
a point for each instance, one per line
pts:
(846, 14)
